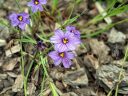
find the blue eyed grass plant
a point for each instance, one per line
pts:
(60, 40)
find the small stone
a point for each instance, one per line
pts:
(116, 51)
(2, 42)
(1, 85)
(2, 13)
(55, 74)
(18, 85)
(31, 89)
(69, 94)
(100, 50)
(12, 50)
(116, 37)
(3, 76)
(123, 86)
(88, 91)
(81, 50)
(9, 65)
(76, 78)
(11, 74)
(11, 80)
(6, 83)
(107, 76)
(4, 31)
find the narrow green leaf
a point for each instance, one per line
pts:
(28, 39)
(109, 14)
(118, 10)
(111, 3)
(53, 88)
(54, 5)
(69, 21)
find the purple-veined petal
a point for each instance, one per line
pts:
(40, 7)
(74, 40)
(60, 47)
(22, 26)
(54, 55)
(14, 22)
(25, 15)
(43, 1)
(77, 41)
(57, 61)
(59, 33)
(77, 34)
(31, 3)
(34, 9)
(55, 39)
(66, 62)
(69, 35)
(70, 28)
(12, 16)
(70, 55)
(27, 21)
(71, 46)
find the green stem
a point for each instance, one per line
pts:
(103, 30)
(22, 66)
(51, 84)
(17, 3)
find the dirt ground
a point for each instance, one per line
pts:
(100, 67)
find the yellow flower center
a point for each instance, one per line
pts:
(62, 54)
(65, 40)
(20, 18)
(36, 2)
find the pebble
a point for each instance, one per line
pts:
(116, 37)
(7, 83)
(2, 42)
(107, 76)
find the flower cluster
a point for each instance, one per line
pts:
(64, 42)
(22, 19)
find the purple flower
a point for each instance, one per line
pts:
(20, 19)
(40, 45)
(64, 41)
(37, 5)
(63, 57)
(73, 30)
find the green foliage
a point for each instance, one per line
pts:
(4, 23)
(53, 88)
(110, 4)
(54, 5)
(113, 12)
(118, 10)
(69, 21)
(28, 39)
